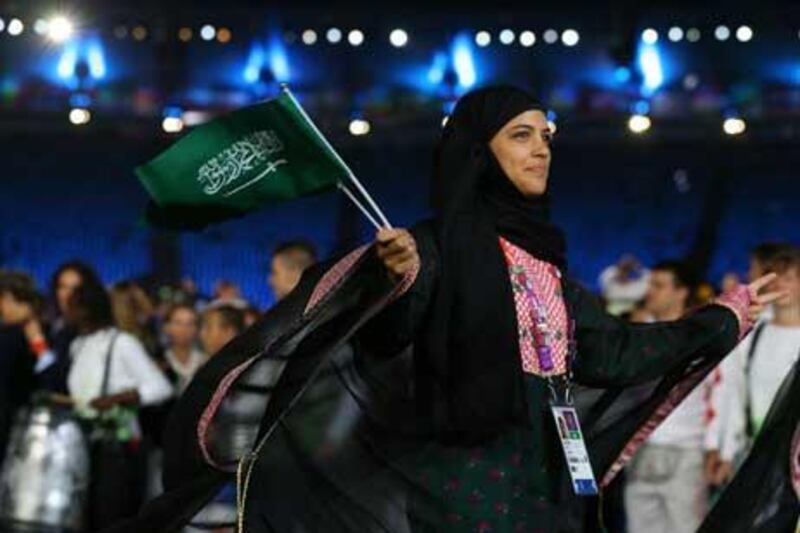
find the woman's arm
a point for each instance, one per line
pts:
(612, 352)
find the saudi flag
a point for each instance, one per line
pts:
(254, 156)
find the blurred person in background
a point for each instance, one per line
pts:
(228, 292)
(110, 378)
(719, 470)
(623, 284)
(666, 490)
(67, 277)
(135, 313)
(183, 357)
(757, 367)
(220, 324)
(21, 342)
(729, 281)
(289, 260)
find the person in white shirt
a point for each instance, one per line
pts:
(623, 284)
(182, 355)
(756, 369)
(110, 376)
(665, 490)
(718, 470)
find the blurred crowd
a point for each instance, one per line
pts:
(117, 357)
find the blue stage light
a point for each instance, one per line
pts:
(67, 61)
(97, 61)
(279, 60)
(463, 62)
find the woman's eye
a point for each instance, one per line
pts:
(547, 137)
(521, 135)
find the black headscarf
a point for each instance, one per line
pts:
(470, 353)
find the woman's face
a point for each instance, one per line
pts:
(67, 282)
(522, 148)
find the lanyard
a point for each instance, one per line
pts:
(543, 333)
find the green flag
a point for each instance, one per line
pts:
(254, 156)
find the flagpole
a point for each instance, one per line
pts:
(350, 174)
(363, 209)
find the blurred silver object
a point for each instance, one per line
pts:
(45, 475)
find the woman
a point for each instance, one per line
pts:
(67, 277)
(361, 434)
(111, 376)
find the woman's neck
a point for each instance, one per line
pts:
(182, 353)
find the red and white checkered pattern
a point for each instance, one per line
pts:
(547, 284)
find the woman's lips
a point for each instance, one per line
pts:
(539, 168)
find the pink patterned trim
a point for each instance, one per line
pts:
(794, 461)
(674, 397)
(738, 300)
(334, 275)
(338, 271)
(408, 280)
(213, 406)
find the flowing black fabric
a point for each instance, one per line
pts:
(473, 312)
(763, 496)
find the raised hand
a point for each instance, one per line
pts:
(397, 249)
(760, 299)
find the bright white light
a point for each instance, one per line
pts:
(359, 127)
(398, 38)
(40, 27)
(552, 127)
(550, 36)
(734, 126)
(506, 37)
(80, 116)
(444, 120)
(15, 27)
(650, 65)
(675, 34)
(650, 36)
(208, 32)
(692, 35)
(639, 123)
(527, 38)
(2, 24)
(570, 37)
(355, 37)
(309, 37)
(483, 38)
(722, 33)
(172, 124)
(59, 29)
(334, 35)
(744, 33)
